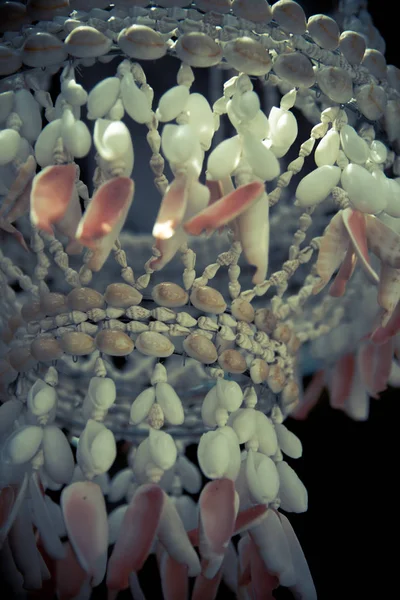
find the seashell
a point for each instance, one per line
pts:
(371, 100)
(258, 11)
(53, 304)
(242, 310)
(259, 370)
(9, 145)
(324, 31)
(46, 10)
(317, 185)
(122, 295)
(375, 62)
(290, 16)
(6, 105)
(262, 477)
(327, 151)
(392, 119)
(199, 347)
(114, 143)
(77, 343)
(364, 190)
(152, 343)
(31, 311)
(213, 453)
(162, 448)
(12, 16)
(295, 68)
(288, 442)
(96, 450)
(208, 299)
(135, 100)
(10, 60)
(84, 299)
(28, 110)
(283, 130)
(276, 379)
(218, 6)
(46, 349)
(292, 492)
(172, 103)
(378, 152)
(21, 359)
(266, 434)
(42, 50)
(352, 45)
(393, 77)
(102, 97)
(198, 50)
(392, 195)
(22, 445)
(9, 412)
(46, 142)
(141, 405)
(87, 42)
(263, 161)
(200, 119)
(247, 56)
(336, 83)
(290, 394)
(141, 42)
(170, 403)
(178, 143)
(355, 148)
(114, 343)
(229, 394)
(232, 361)
(224, 159)
(265, 320)
(169, 295)
(243, 422)
(58, 458)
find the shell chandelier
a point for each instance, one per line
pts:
(278, 216)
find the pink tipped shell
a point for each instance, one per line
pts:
(53, 304)
(46, 349)
(232, 361)
(52, 190)
(141, 42)
(198, 50)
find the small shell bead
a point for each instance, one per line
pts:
(198, 50)
(46, 348)
(114, 343)
(122, 295)
(141, 42)
(169, 295)
(248, 56)
(375, 62)
(242, 310)
(290, 16)
(336, 83)
(295, 68)
(77, 343)
(42, 49)
(84, 299)
(53, 304)
(199, 347)
(324, 31)
(232, 361)
(208, 300)
(87, 42)
(152, 343)
(352, 45)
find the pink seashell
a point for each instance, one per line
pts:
(355, 223)
(70, 576)
(104, 219)
(85, 518)
(141, 42)
(136, 537)
(311, 396)
(389, 291)
(371, 100)
(52, 190)
(332, 251)
(346, 270)
(87, 42)
(248, 56)
(205, 588)
(174, 578)
(172, 209)
(262, 582)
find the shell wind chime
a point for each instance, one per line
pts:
(119, 350)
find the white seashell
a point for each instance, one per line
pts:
(42, 49)
(141, 42)
(364, 191)
(9, 145)
(135, 100)
(233, 468)
(96, 449)
(243, 422)
(112, 139)
(46, 142)
(352, 45)
(290, 16)
(73, 92)
(263, 161)
(162, 449)
(119, 485)
(102, 97)
(189, 474)
(224, 159)
(187, 510)
(262, 477)
(371, 100)
(288, 442)
(58, 457)
(209, 406)
(198, 50)
(9, 413)
(172, 103)
(28, 110)
(230, 395)
(42, 398)
(283, 130)
(115, 519)
(391, 191)
(266, 434)
(213, 454)
(336, 83)
(324, 31)
(317, 185)
(292, 493)
(22, 445)
(248, 56)
(76, 135)
(179, 143)
(141, 405)
(87, 42)
(56, 516)
(170, 403)
(200, 119)
(355, 148)
(375, 62)
(327, 151)
(295, 68)
(378, 152)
